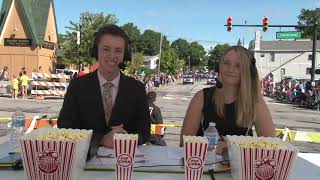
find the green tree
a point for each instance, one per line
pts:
(306, 17)
(90, 23)
(182, 48)
(196, 53)
(204, 62)
(215, 55)
(150, 43)
(169, 61)
(136, 63)
(181, 64)
(134, 35)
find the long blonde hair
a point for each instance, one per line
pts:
(249, 89)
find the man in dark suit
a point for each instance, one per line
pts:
(106, 100)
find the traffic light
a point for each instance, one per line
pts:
(265, 24)
(229, 23)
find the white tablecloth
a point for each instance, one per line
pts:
(307, 167)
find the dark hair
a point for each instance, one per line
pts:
(114, 30)
(151, 96)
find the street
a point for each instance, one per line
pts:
(173, 101)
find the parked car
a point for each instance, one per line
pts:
(71, 73)
(211, 80)
(188, 79)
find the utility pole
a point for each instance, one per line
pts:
(314, 55)
(245, 22)
(79, 46)
(243, 41)
(160, 54)
(189, 65)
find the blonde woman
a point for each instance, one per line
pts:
(236, 105)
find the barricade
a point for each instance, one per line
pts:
(45, 84)
(36, 75)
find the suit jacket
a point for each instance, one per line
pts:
(83, 109)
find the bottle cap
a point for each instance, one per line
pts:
(212, 124)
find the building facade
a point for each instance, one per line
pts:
(285, 58)
(28, 36)
(150, 62)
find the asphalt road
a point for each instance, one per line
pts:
(173, 100)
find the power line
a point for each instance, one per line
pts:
(200, 40)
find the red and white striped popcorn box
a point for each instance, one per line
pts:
(257, 163)
(48, 159)
(125, 147)
(195, 153)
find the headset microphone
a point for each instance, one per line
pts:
(218, 83)
(122, 65)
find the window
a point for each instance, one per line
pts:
(310, 57)
(272, 57)
(262, 55)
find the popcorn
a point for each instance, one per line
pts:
(195, 139)
(126, 136)
(63, 135)
(260, 157)
(260, 144)
(54, 154)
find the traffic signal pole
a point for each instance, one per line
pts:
(265, 28)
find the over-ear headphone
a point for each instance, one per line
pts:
(115, 30)
(253, 68)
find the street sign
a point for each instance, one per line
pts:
(288, 35)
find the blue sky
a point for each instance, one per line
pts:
(193, 20)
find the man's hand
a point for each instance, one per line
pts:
(221, 147)
(107, 139)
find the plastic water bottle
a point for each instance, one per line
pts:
(18, 120)
(212, 135)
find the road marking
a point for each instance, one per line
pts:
(165, 97)
(185, 99)
(276, 103)
(171, 97)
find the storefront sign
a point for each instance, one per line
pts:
(48, 45)
(17, 42)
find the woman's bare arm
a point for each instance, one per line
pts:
(193, 116)
(264, 124)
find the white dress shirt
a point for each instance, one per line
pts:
(115, 87)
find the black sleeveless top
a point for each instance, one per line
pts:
(226, 126)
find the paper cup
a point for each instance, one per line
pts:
(194, 158)
(53, 159)
(125, 146)
(251, 163)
